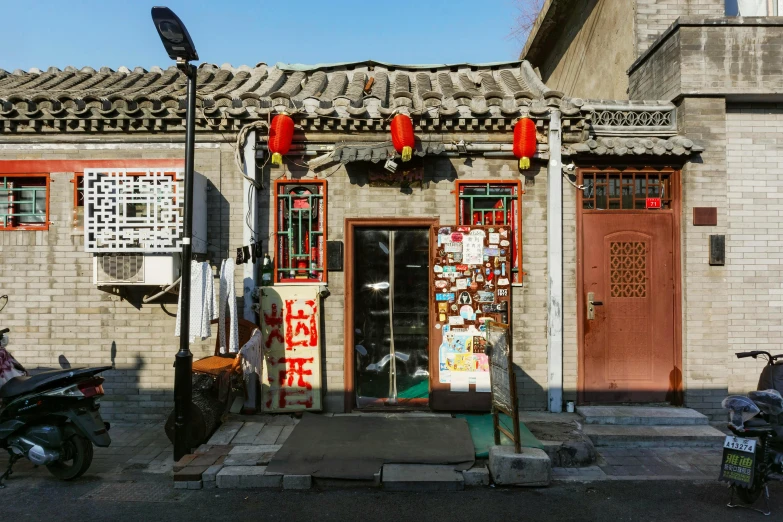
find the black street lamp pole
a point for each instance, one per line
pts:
(180, 47)
(183, 387)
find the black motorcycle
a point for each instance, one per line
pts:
(53, 419)
(753, 456)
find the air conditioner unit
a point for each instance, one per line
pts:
(135, 269)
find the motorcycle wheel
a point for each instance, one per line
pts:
(75, 461)
(749, 495)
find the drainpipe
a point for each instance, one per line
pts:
(249, 236)
(555, 267)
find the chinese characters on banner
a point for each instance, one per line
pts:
(290, 317)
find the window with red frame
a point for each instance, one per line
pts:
(78, 200)
(300, 231)
(24, 202)
(494, 204)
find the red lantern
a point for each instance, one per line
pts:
(281, 134)
(524, 142)
(402, 136)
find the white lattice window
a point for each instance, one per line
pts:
(133, 210)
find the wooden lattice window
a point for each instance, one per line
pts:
(494, 203)
(300, 229)
(24, 202)
(627, 190)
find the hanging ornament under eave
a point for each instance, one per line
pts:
(402, 136)
(281, 134)
(524, 142)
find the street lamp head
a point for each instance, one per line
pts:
(173, 34)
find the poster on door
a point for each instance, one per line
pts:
(472, 271)
(290, 324)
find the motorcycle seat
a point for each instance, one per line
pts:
(27, 384)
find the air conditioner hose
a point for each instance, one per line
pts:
(151, 298)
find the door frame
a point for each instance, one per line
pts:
(351, 224)
(676, 210)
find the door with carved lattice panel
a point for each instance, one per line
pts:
(628, 290)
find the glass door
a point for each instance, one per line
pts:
(391, 317)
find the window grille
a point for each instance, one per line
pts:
(492, 203)
(628, 190)
(300, 225)
(133, 210)
(24, 202)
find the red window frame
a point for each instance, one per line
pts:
(29, 226)
(490, 217)
(314, 247)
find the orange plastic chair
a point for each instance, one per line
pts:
(216, 364)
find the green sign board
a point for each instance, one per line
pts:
(737, 467)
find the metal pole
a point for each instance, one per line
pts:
(183, 388)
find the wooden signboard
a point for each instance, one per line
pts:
(503, 383)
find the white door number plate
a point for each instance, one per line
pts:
(735, 443)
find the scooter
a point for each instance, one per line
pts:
(52, 418)
(753, 455)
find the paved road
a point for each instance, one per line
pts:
(145, 496)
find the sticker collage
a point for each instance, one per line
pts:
(472, 285)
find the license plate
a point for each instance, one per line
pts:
(738, 444)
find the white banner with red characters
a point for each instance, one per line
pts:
(291, 326)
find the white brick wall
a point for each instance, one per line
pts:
(754, 242)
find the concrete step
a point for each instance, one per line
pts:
(653, 436)
(642, 416)
(421, 477)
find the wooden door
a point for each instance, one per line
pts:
(628, 268)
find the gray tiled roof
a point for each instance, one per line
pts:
(352, 90)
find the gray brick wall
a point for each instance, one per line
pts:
(56, 311)
(349, 198)
(712, 57)
(658, 78)
(754, 241)
(653, 17)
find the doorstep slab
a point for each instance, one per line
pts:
(530, 467)
(653, 436)
(642, 415)
(421, 477)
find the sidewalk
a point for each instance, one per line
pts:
(647, 464)
(141, 447)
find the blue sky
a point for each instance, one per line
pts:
(120, 32)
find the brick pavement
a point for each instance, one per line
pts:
(648, 464)
(138, 446)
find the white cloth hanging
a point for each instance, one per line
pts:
(252, 357)
(228, 295)
(202, 301)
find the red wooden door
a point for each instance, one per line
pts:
(629, 349)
